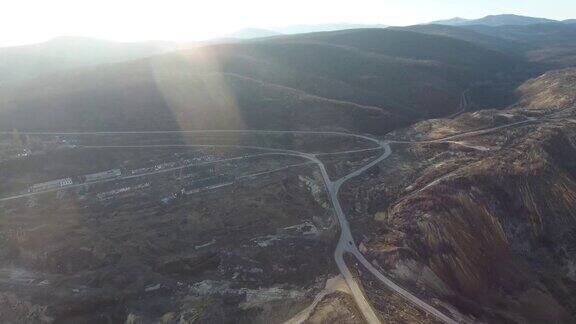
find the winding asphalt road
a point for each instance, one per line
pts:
(346, 243)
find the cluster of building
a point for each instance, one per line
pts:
(62, 183)
(54, 184)
(116, 173)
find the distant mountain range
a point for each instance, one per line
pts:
(300, 29)
(499, 20)
(492, 21)
(550, 45)
(19, 63)
(248, 33)
(540, 39)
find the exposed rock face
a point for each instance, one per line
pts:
(492, 215)
(494, 229)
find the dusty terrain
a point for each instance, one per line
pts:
(133, 211)
(482, 221)
(472, 215)
(153, 248)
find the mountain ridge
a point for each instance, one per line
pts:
(495, 20)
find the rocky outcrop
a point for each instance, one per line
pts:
(490, 231)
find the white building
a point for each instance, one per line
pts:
(54, 184)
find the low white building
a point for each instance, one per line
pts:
(54, 184)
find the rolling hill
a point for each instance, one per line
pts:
(248, 33)
(301, 29)
(553, 44)
(367, 80)
(552, 90)
(537, 35)
(487, 40)
(548, 45)
(25, 62)
(251, 33)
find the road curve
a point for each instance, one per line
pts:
(347, 244)
(346, 241)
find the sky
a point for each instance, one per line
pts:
(30, 21)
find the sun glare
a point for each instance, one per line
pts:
(28, 21)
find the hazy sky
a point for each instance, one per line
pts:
(27, 21)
